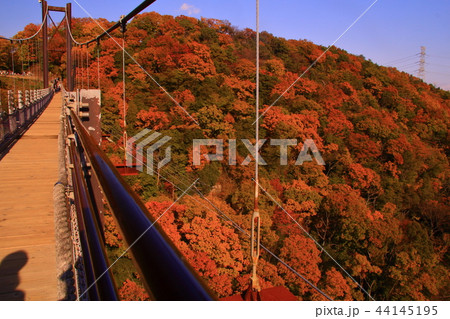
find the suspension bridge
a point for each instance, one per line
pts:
(55, 181)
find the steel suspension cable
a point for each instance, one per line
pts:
(80, 71)
(227, 218)
(235, 225)
(98, 67)
(29, 67)
(74, 59)
(267, 250)
(81, 67)
(23, 72)
(77, 57)
(317, 243)
(106, 32)
(32, 64)
(124, 96)
(256, 218)
(38, 56)
(87, 66)
(239, 228)
(125, 137)
(69, 28)
(75, 63)
(125, 19)
(36, 66)
(77, 68)
(12, 65)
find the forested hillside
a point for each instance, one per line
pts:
(380, 206)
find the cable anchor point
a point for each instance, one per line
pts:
(255, 249)
(123, 25)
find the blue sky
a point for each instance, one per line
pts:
(391, 32)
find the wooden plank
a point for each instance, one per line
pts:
(22, 241)
(27, 242)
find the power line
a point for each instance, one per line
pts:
(410, 57)
(437, 64)
(439, 57)
(408, 65)
(440, 73)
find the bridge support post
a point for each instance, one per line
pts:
(27, 98)
(20, 99)
(45, 43)
(69, 66)
(11, 107)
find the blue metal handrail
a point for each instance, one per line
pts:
(165, 272)
(99, 279)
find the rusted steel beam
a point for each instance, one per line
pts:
(69, 66)
(44, 45)
(58, 9)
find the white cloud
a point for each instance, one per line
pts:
(189, 9)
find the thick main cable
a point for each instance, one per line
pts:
(125, 19)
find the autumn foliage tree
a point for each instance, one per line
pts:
(379, 205)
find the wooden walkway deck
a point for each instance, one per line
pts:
(27, 238)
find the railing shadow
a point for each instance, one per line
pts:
(67, 277)
(9, 276)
